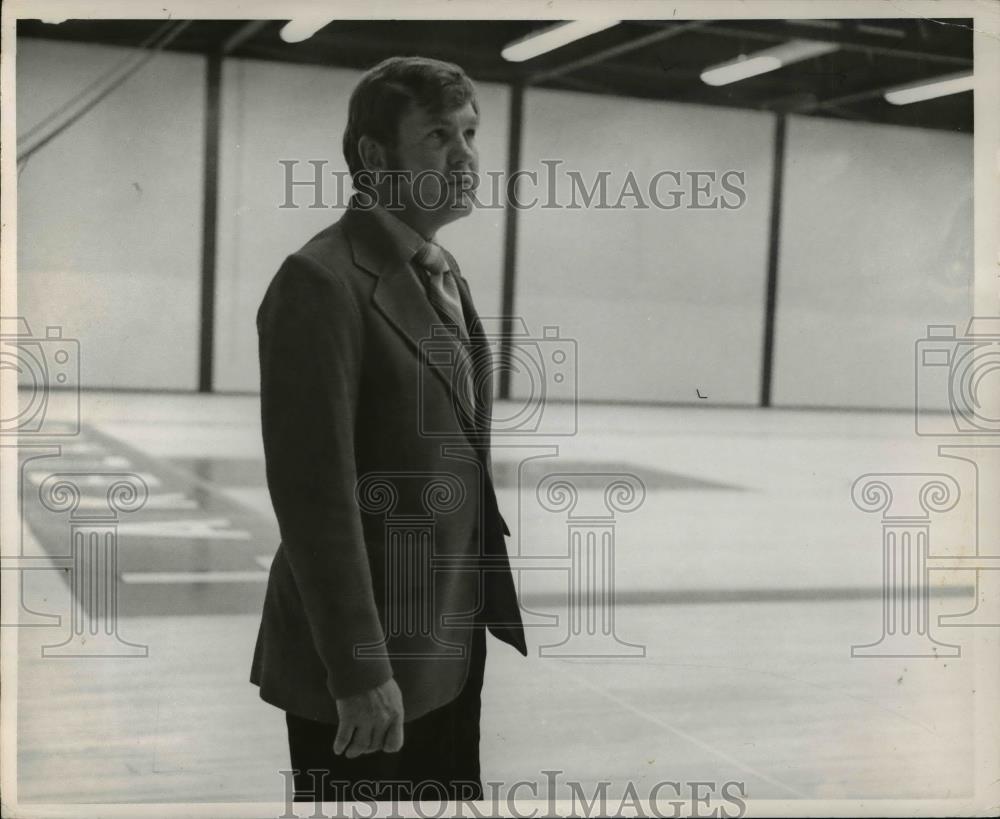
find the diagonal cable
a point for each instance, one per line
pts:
(45, 140)
(95, 83)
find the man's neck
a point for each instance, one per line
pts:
(413, 220)
(424, 222)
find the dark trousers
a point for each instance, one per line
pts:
(439, 758)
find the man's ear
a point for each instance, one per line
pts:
(373, 155)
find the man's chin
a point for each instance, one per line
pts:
(460, 202)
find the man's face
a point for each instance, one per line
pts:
(439, 155)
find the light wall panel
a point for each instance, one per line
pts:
(876, 244)
(664, 305)
(109, 213)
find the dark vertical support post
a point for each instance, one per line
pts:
(778, 172)
(510, 233)
(210, 211)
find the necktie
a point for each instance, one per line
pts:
(442, 289)
(442, 292)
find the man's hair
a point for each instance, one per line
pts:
(386, 91)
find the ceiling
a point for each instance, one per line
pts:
(649, 59)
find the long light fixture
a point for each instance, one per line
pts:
(929, 89)
(761, 62)
(302, 28)
(549, 39)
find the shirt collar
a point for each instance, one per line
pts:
(404, 239)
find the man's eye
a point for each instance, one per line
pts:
(470, 134)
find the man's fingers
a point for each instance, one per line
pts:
(344, 733)
(394, 736)
(361, 742)
(367, 721)
(379, 730)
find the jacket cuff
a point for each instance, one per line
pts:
(364, 674)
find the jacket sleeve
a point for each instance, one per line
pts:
(310, 342)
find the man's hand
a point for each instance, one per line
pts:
(371, 721)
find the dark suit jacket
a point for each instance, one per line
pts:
(391, 539)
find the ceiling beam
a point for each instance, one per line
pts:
(846, 99)
(242, 34)
(859, 96)
(664, 33)
(846, 41)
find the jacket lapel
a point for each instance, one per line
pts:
(400, 297)
(482, 357)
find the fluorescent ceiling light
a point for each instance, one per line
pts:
(302, 28)
(814, 23)
(552, 38)
(884, 31)
(760, 62)
(739, 70)
(929, 89)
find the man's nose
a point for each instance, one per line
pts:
(463, 154)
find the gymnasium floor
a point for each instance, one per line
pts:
(746, 574)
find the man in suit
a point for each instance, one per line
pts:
(376, 394)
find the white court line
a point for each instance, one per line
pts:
(166, 500)
(194, 528)
(81, 449)
(36, 476)
(684, 735)
(105, 461)
(234, 576)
